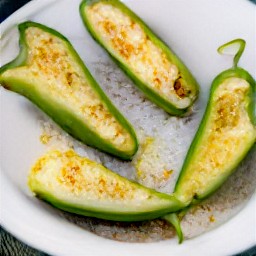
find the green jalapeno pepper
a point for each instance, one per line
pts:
(226, 133)
(78, 185)
(49, 72)
(145, 58)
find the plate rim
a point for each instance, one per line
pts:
(6, 219)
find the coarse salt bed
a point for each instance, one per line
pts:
(164, 142)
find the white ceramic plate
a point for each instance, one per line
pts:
(194, 29)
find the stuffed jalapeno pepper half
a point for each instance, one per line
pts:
(49, 72)
(145, 58)
(79, 185)
(226, 133)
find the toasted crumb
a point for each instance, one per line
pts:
(45, 138)
(167, 174)
(212, 218)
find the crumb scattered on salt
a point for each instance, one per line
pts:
(151, 167)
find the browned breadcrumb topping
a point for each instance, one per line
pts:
(227, 132)
(74, 178)
(58, 74)
(179, 89)
(135, 47)
(80, 176)
(228, 114)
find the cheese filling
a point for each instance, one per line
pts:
(226, 135)
(57, 75)
(77, 180)
(127, 40)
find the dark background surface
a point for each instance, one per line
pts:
(10, 246)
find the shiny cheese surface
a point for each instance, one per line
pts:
(126, 39)
(58, 76)
(228, 132)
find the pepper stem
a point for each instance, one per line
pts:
(234, 47)
(175, 221)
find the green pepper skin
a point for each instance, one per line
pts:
(115, 214)
(173, 219)
(211, 188)
(59, 112)
(79, 185)
(151, 94)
